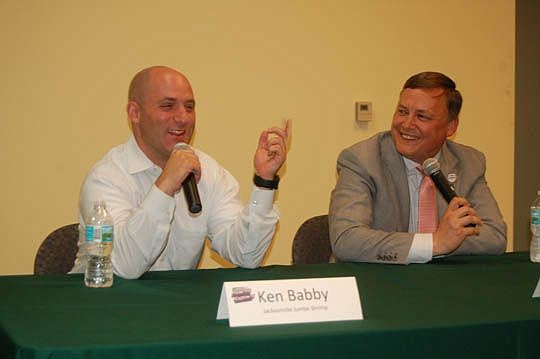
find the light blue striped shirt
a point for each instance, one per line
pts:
(421, 250)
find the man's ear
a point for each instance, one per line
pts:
(452, 127)
(133, 111)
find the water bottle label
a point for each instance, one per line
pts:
(89, 233)
(535, 217)
(99, 234)
(107, 234)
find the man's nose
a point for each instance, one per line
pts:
(181, 115)
(409, 120)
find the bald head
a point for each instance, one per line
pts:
(138, 88)
(161, 111)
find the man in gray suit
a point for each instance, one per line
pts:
(373, 213)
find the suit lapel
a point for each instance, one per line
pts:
(448, 164)
(397, 181)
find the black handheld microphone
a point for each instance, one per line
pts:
(433, 169)
(191, 192)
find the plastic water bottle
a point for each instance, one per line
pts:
(99, 242)
(535, 229)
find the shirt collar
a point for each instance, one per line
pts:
(411, 165)
(137, 161)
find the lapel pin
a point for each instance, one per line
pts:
(451, 179)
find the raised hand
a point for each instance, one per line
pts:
(271, 151)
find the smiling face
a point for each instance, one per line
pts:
(420, 124)
(163, 113)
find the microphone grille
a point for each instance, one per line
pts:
(182, 146)
(431, 165)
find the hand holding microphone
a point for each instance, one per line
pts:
(191, 192)
(182, 170)
(433, 169)
(459, 220)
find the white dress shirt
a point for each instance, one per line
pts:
(153, 231)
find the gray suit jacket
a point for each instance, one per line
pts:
(369, 208)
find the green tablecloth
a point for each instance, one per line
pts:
(456, 307)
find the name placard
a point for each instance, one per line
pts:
(536, 292)
(284, 301)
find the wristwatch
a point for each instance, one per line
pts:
(270, 184)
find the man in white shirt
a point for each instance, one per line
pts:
(141, 183)
(374, 209)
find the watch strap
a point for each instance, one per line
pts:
(270, 184)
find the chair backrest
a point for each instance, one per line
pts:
(56, 255)
(311, 244)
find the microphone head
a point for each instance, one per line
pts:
(431, 165)
(181, 146)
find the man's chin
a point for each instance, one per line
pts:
(409, 153)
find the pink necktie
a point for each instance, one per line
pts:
(427, 205)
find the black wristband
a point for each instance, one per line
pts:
(270, 184)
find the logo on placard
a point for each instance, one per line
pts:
(242, 294)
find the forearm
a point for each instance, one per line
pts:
(492, 240)
(492, 237)
(140, 230)
(362, 244)
(243, 235)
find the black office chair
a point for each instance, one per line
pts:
(311, 244)
(56, 254)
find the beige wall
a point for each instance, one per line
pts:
(65, 67)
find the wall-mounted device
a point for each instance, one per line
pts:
(364, 111)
